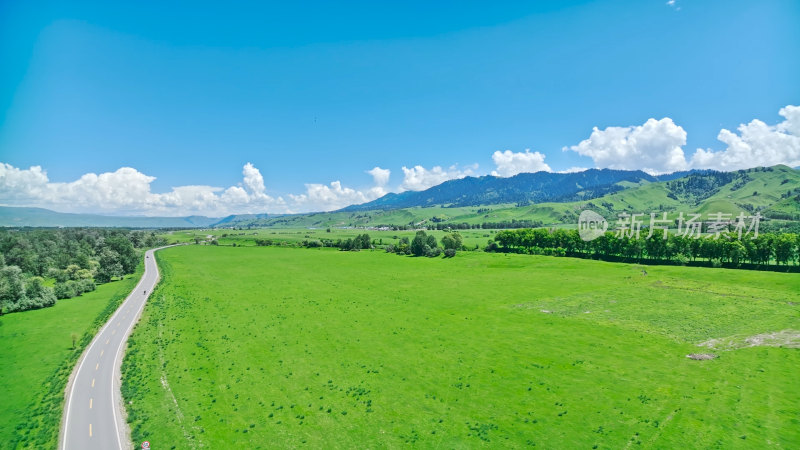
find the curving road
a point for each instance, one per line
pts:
(92, 418)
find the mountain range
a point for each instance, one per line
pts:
(521, 189)
(541, 197)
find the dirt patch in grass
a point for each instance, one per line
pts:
(784, 338)
(701, 356)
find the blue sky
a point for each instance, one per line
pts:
(311, 94)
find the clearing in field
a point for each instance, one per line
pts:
(263, 347)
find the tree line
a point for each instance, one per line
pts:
(39, 266)
(726, 249)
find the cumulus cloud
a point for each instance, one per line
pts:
(127, 190)
(509, 163)
(254, 182)
(655, 147)
(321, 197)
(380, 176)
(756, 144)
(419, 178)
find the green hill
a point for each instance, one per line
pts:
(772, 191)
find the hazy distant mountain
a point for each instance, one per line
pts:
(39, 217)
(521, 189)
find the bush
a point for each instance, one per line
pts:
(87, 285)
(681, 259)
(62, 291)
(449, 253)
(492, 247)
(72, 288)
(432, 252)
(313, 243)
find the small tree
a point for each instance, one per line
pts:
(419, 243)
(452, 241)
(12, 289)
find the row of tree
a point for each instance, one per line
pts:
(724, 249)
(75, 258)
(424, 244)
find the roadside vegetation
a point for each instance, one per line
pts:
(38, 266)
(273, 346)
(38, 351)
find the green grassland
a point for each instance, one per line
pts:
(36, 358)
(283, 347)
(471, 238)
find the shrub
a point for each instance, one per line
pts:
(62, 291)
(449, 253)
(313, 243)
(681, 259)
(432, 252)
(87, 285)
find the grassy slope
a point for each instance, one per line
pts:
(291, 347)
(36, 358)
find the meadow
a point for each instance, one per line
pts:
(37, 357)
(257, 347)
(472, 238)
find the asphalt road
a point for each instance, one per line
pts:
(92, 418)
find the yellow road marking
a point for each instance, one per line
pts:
(90, 430)
(113, 331)
(101, 352)
(97, 366)
(90, 403)
(108, 340)
(92, 382)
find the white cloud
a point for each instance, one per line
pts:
(655, 147)
(320, 197)
(127, 191)
(509, 163)
(380, 176)
(756, 144)
(419, 178)
(254, 182)
(23, 184)
(573, 170)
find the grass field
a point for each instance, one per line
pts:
(263, 347)
(36, 358)
(297, 235)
